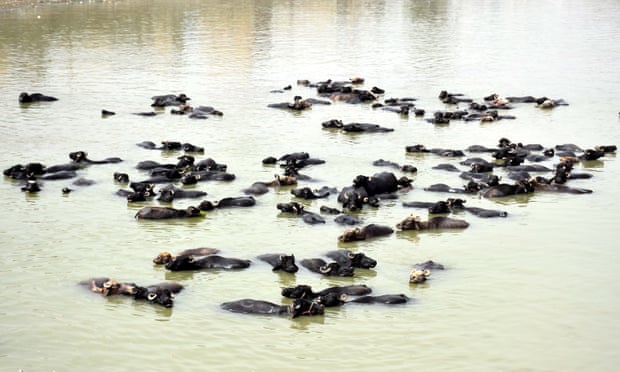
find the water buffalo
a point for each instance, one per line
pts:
(442, 187)
(319, 265)
(299, 307)
(353, 198)
(21, 172)
(31, 186)
(163, 175)
(35, 97)
(241, 201)
(345, 257)
(305, 291)
(520, 187)
(133, 196)
(391, 164)
(547, 103)
(298, 104)
(331, 299)
(280, 261)
(82, 157)
(169, 100)
(365, 190)
(210, 164)
(145, 187)
(307, 193)
(379, 183)
(348, 95)
(389, 299)
(439, 222)
(422, 271)
(365, 127)
(185, 263)
(165, 256)
(346, 219)
(369, 231)
(159, 213)
(159, 294)
(437, 151)
(298, 209)
(165, 145)
(259, 188)
(109, 287)
(193, 177)
(452, 204)
(170, 192)
(121, 177)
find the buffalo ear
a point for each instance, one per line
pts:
(151, 296)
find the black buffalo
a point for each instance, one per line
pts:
(319, 265)
(159, 213)
(305, 291)
(369, 231)
(299, 307)
(346, 257)
(280, 261)
(185, 263)
(439, 222)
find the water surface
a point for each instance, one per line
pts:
(533, 291)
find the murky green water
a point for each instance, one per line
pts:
(534, 291)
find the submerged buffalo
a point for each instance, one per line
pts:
(240, 201)
(164, 257)
(299, 307)
(389, 299)
(345, 257)
(160, 213)
(319, 265)
(186, 263)
(280, 261)
(305, 291)
(439, 222)
(422, 271)
(369, 231)
(35, 97)
(162, 294)
(170, 192)
(82, 157)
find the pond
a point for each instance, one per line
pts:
(535, 290)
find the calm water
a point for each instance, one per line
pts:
(534, 291)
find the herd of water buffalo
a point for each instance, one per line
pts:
(165, 183)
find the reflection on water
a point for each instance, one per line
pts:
(540, 279)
